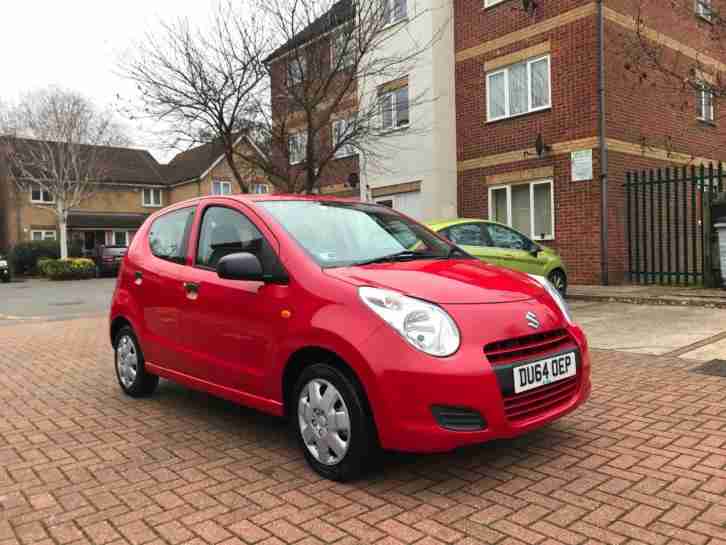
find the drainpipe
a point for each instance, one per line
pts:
(603, 146)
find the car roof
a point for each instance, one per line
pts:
(443, 224)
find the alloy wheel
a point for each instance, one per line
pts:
(324, 422)
(127, 361)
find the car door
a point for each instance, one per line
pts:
(514, 250)
(230, 326)
(157, 279)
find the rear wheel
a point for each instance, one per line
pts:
(130, 369)
(332, 423)
(558, 279)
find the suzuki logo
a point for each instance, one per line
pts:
(532, 320)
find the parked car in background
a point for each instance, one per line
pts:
(357, 323)
(501, 245)
(4, 269)
(108, 259)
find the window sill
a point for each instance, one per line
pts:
(706, 122)
(538, 110)
(485, 7)
(395, 23)
(385, 132)
(152, 205)
(704, 18)
(43, 202)
(346, 156)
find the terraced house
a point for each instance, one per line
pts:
(134, 185)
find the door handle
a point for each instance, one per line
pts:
(138, 278)
(192, 289)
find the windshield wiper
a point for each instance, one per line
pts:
(404, 255)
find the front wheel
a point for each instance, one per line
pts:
(558, 279)
(130, 369)
(333, 426)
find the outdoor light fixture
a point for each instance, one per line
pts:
(540, 146)
(353, 180)
(530, 6)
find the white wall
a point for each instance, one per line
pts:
(426, 150)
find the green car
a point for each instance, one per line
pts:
(501, 245)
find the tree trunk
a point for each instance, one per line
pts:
(63, 230)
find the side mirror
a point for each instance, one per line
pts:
(240, 266)
(535, 249)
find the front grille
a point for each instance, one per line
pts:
(529, 347)
(540, 400)
(458, 418)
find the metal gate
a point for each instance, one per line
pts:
(669, 224)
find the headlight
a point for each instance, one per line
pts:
(556, 295)
(3, 263)
(425, 326)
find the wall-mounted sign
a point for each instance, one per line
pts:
(581, 165)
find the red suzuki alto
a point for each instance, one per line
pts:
(362, 326)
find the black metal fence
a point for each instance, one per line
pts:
(669, 224)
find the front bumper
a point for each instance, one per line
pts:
(410, 385)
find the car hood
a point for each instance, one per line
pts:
(450, 281)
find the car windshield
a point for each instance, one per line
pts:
(339, 234)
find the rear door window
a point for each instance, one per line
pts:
(503, 237)
(169, 234)
(468, 234)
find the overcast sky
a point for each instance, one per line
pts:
(75, 44)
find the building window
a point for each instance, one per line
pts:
(151, 197)
(296, 70)
(704, 9)
(394, 11)
(705, 104)
(341, 131)
(42, 235)
(221, 188)
(529, 208)
(342, 48)
(519, 89)
(394, 108)
(40, 195)
(120, 238)
(259, 189)
(297, 144)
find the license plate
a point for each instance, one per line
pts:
(543, 372)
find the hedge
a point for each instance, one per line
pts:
(25, 255)
(69, 269)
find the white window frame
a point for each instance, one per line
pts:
(256, 188)
(346, 150)
(701, 95)
(490, 3)
(152, 203)
(505, 70)
(221, 184)
(44, 235)
(300, 140)
(391, 5)
(349, 57)
(394, 110)
(298, 61)
(42, 193)
(126, 238)
(704, 9)
(531, 185)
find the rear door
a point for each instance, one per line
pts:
(474, 238)
(159, 281)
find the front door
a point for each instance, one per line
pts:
(513, 250)
(230, 326)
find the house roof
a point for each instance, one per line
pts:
(127, 165)
(339, 13)
(192, 163)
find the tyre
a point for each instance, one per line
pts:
(129, 363)
(558, 279)
(331, 420)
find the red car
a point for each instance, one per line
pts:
(362, 326)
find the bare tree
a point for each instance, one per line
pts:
(202, 83)
(687, 81)
(54, 143)
(326, 80)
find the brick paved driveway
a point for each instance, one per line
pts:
(643, 462)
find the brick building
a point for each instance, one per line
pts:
(529, 75)
(135, 185)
